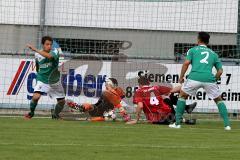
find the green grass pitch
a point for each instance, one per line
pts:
(46, 139)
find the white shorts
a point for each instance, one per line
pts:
(190, 87)
(53, 90)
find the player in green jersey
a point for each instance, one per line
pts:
(202, 60)
(48, 77)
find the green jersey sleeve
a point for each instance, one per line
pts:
(218, 63)
(189, 55)
(55, 54)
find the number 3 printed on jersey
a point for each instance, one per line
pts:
(153, 99)
(204, 60)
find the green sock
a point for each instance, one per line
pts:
(58, 109)
(33, 106)
(181, 103)
(223, 112)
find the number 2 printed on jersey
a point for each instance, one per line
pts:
(204, 60)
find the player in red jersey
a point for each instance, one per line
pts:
(157, 110)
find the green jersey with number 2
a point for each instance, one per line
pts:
(203, 60)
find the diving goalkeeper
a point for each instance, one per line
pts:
(109, 100)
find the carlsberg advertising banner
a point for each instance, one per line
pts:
(84, 81)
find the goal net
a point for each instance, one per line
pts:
(123, 39)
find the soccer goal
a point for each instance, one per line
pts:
(124, 39)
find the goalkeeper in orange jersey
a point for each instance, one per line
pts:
(108, 101)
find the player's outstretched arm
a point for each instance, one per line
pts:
(43, 53)
(138, 113)
(183, 70)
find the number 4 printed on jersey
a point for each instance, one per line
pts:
(153, 99)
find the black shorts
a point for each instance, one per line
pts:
(100, 107)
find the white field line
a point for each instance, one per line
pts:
(120, 145)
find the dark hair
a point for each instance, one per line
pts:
(204, 37)
(143, 81)
(114, 81)
(46, 38)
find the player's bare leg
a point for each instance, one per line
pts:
(176, 89)
(33, 105)
(58, 108)
(223, 112)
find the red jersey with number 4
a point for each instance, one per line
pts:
(154, 107)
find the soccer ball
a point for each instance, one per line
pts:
(110, 115)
